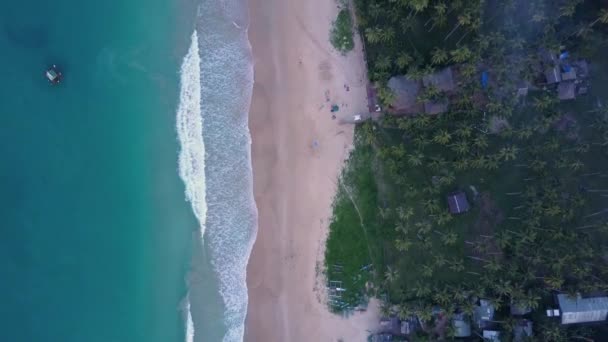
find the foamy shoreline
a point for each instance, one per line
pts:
(297, 154)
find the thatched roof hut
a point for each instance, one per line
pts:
(443, 80)
(406, 93)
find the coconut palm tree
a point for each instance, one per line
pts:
(439, 56)
(391, 275)
(415, 159)
(387, 35)
(403, 60)
(403, 244)
(384, 63)
(508, 153)
(461, 54)
(481, 142)
(442, 137)
(373, 35)
(427, 270)
(461, 147)
(456, 265)
(449, 238)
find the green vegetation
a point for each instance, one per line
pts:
(533, 168)
(341, 35)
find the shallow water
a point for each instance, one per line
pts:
(223, 198)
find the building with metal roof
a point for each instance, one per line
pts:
(566, 90)
(461, 325)
(582, 310)
(457, 202)
(491, 335)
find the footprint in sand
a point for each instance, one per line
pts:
(325, 71)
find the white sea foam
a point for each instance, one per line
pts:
(189, 324)
(227, 82)
(189, 124)
(190, 133)
(215, 156)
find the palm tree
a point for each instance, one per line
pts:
(508, 153)
(386, 95)
(456, 265)
(576, 165)
(440, 260)
(387, 35)
(421, 289)
(551, 331)
(391, 274)
(461, 54)
(461, 164)
(415, 159)
(602, 17)
(442, 137)
(443, 218)
(373, 35)
(384, 63)
(480, 142)
(427, 270)
(436, 163)
(405, 311)
(430, 205)
(461, 147)
(449, 238)
(439, 56)
(375, 10)
(403, 245)
(446, 179)
(418, 5)
(463, 20)
(404, 60)
(405, 213)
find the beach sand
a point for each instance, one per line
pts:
(297, 154)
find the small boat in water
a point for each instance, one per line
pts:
(53, 74)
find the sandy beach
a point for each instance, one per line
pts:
(298, 150)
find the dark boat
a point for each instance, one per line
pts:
(53, 74)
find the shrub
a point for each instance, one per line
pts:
(341, 36)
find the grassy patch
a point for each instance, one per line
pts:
(349, 254)
(341, 35)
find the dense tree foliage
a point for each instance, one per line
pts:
(533, 168)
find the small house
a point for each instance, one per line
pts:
(406, 93)
(457, 202)
(491, 335)
(522, 330)
(569, 75)
(436, 107)
(522, 88)
(409, 326)
(566, 90)
(484, 314)
(461, 325)
(391, 325)
(582, 310)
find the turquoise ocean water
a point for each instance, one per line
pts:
(97, 239)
